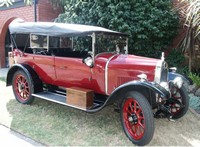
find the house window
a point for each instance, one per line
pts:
(16, 4)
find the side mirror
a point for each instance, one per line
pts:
(88, 61)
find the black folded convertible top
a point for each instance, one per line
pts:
(57, 29)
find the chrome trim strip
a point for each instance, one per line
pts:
(106, 73)
(126, 47)
(93, 45)
(47, 42)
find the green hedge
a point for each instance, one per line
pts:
(151, 24)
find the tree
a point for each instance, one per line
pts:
(151, 24)
(59, 4)
(56, 3)
(10, 2)
(6, 2)
(190, 11)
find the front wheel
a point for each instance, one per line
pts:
(179, 102)
(137, 118)
(22, 87)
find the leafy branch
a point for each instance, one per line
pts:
(8, 3)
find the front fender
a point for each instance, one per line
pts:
(173, 75)
(140, 86)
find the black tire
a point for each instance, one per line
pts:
(22, 87)
(183, 98)
(138, 116)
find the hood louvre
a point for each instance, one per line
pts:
(122, 80)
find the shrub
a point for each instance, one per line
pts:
(195, 78)
(176, 59)
(151, 24)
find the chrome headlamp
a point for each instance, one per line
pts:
(178, 82)
(165, 85)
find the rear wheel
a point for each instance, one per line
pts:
(22, 87)
(137, 118)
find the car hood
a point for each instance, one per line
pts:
(135, 60)
(127, 60)
(130, 65)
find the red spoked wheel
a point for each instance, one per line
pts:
(137, 118)
(179, 102)
(22, 87)
(134, 118)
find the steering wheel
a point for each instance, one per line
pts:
(81, 51)
(43, 52)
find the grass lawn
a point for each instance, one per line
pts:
(54, 124)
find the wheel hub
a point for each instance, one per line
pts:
(21, 86)
(133, 118)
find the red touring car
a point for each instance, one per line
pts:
(88, 68)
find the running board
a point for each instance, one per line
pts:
(60, 99)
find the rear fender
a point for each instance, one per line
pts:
(31, 74)
(149, 90)
(12, 71)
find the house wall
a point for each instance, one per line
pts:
(45, 12)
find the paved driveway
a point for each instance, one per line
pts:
(3, 72)
(10, 137)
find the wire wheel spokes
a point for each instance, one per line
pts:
(133, 118)
(177, 102)
(22, 88)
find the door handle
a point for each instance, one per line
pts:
(63, 67)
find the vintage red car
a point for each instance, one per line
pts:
(88, 68)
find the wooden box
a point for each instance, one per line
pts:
(80, 97)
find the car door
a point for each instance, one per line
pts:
(72, 72)
(44, 66)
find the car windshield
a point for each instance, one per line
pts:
(82, 43)
(110, 43)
